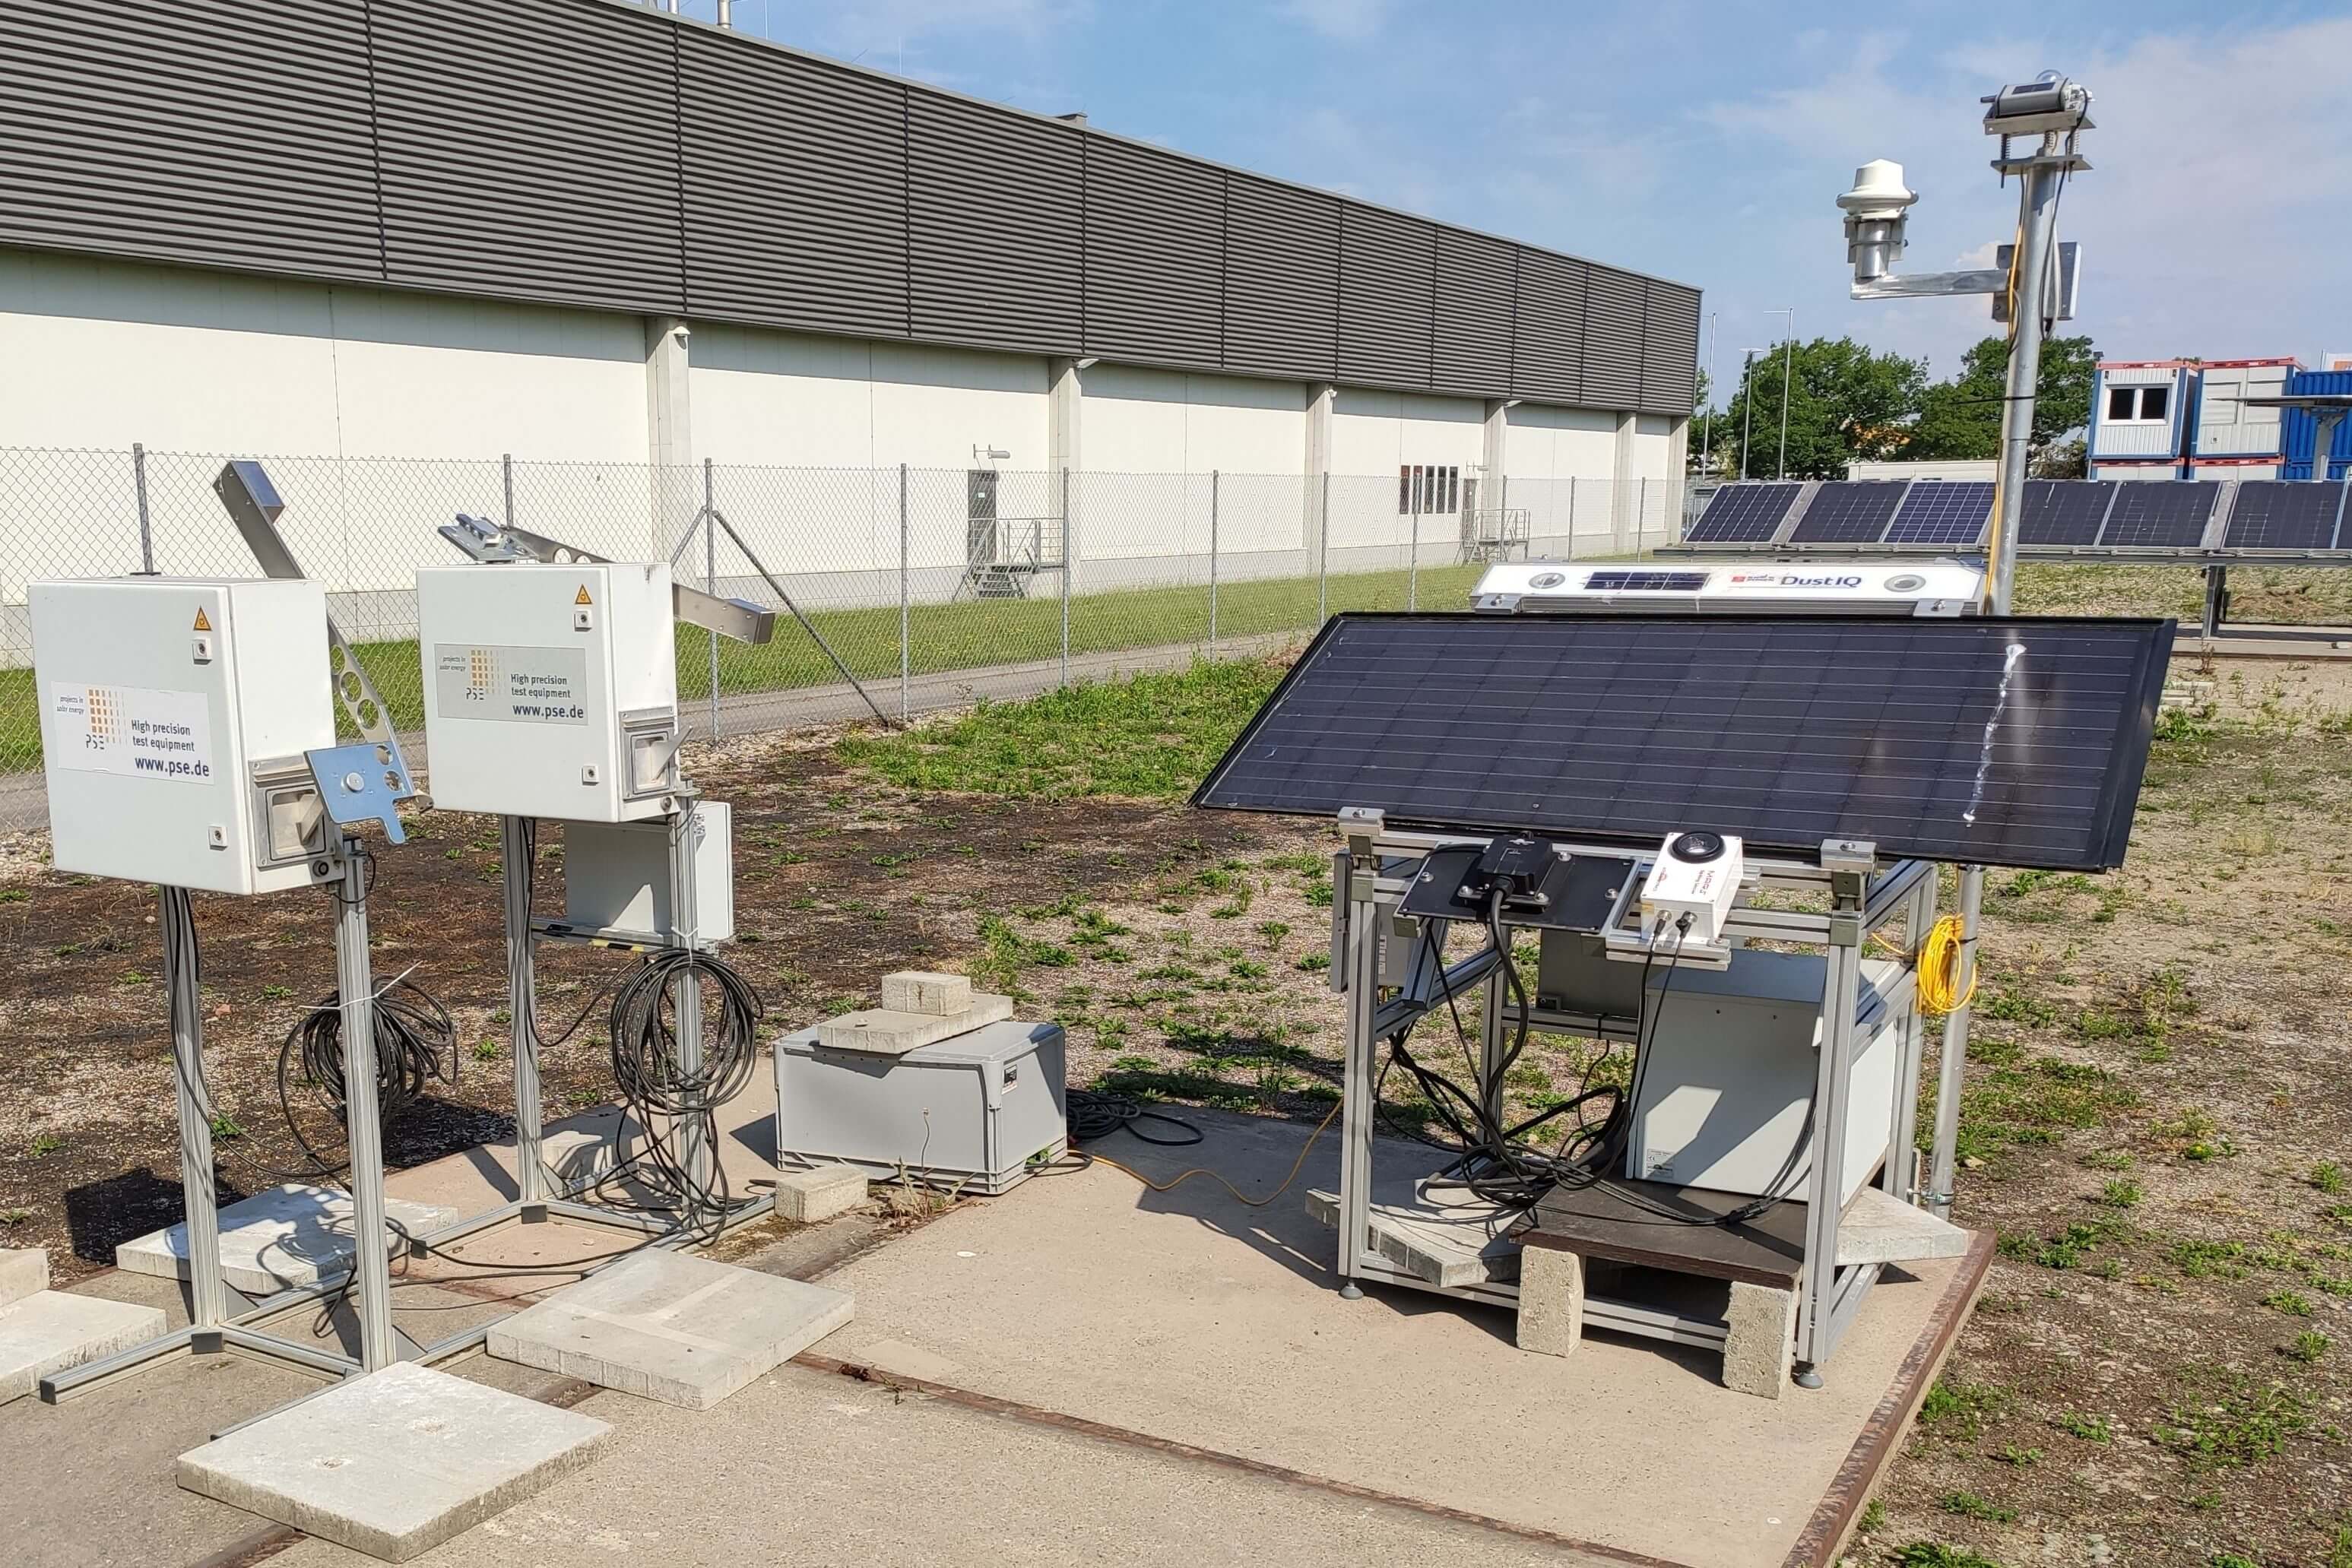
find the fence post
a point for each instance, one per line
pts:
(139, 483)
(905, 658)
(1413, 555)
(1067, 567)
(506, 483)
(1571, 517)
(1212, 560)
(1323, 556)
(1640, 514)
(710, 585)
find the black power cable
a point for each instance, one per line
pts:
(415, 1046)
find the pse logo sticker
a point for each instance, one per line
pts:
(131, 730)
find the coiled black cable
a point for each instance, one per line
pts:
(415, 1045)
(676, 1108)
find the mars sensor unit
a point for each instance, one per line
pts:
(550, 690)
(1696, 875)
(176, 712)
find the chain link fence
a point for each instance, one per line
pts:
(912, 588)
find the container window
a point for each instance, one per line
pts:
(2123, 402)
(2154, 402)
(2138, 405)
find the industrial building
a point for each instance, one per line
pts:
(2211, 419)
(580, 231)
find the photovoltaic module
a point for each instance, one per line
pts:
(2013, 741)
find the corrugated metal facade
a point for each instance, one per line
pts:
(591, 154)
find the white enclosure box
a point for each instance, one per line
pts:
(1726, 1080)
(968, 1113)
(550, 691)
(175, 714)
(616, 877)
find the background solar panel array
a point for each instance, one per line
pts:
(1849, 511)
(1743, 514)
(1943, 512)
(2007, 742)
(2158, 513)
(2064, 511)
(2270, 514)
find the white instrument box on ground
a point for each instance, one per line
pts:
(174, 715)
(550, 691)
(1726, 1077)
(968, 1113)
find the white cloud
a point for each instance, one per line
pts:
(1350, 21)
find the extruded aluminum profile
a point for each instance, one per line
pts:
(739, 620)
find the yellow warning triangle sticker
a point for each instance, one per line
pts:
(203, 625)
(581, 597)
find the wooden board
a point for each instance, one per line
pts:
(1602, 1221)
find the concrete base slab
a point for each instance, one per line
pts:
(23, 1271)
(50, 1331)
(287, 1236)
(394, 1462)
(819, 1193)
(668, 1326)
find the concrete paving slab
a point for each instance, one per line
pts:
(394, 1462)
(290, 1235)
(51, 1330)
(673, 1327)
(885, 1032)
(1878, 1228)
(23, 1271)
(806, 1469)
(1191, 1318)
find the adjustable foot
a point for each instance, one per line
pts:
(1351, 1292)
(1807, 1378)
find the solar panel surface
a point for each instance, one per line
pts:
(2272, 515)
(2161, 513)
(1743, 514)
(1942, 512)
(1930, 738)
(1849, 512)
(2064, 511)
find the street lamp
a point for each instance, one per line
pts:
(1787, 358)
(2026, 287)
(1747, 403)
(1706, 421)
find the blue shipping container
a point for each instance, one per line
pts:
(2301, 430)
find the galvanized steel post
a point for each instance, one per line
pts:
(1323, 556)
(506, 483)
(1068, 563)
(905, 658)
(1413, 552)
(1642, 515)
(1212, 560)
(147, 539)
(710, 585)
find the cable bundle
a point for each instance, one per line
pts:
(415, 1044)
(1939, 968)
(666, 1101)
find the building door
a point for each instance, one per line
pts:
(980, 516)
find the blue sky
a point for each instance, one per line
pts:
(1707, 142)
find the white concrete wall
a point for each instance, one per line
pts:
(1170, 431)
(1375, 433)
(1559, 463)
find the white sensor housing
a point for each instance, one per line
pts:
(1697, 874)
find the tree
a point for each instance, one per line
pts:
(1961, 418)
(1844, 402)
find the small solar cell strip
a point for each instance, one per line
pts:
(1851, 512)
(1942, 512)
(2064, 511)
(1645, 582)
(1743, 514)
(2270, 515)
(2158, 514)
(2004, 741)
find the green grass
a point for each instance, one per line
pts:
(1149, 737)
(969, 635)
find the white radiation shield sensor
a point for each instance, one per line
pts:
(1696, 875)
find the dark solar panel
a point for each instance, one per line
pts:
(1849, 512)
(2064, 511)
(1942, 512)
(2270, 515)
(2007, 742)
(1645, 582)
(1743, 514)
(2167, 514)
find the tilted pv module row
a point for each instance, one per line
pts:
(2133, 519)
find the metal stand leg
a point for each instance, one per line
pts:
(362, 1119)
(1825, 1198)
(2217, 599)
(685, 934)
(1357, 1118)
(530, 1182)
